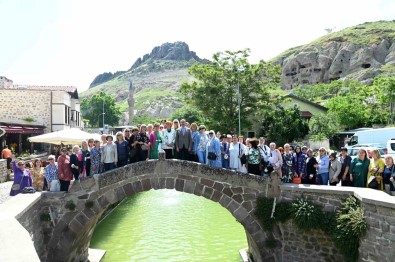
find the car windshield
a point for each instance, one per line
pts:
(382, 151)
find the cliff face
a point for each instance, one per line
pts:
(168, 51)
(176, 52)
(156, 77)
(340, 57)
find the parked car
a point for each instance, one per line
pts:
(353, 150)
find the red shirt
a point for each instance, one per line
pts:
(64, 168)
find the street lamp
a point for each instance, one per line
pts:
(98, 119)
(238, 99)
(239, 69)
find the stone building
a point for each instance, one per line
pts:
(29, 110)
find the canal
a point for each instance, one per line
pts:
(167, 225)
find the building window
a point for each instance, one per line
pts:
(67, 115)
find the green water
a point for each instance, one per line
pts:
(167, 225)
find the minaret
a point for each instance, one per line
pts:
(131, 101)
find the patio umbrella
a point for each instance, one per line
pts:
(66, 137)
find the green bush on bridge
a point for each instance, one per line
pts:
(346, 226)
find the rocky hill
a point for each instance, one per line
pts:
(358, 52)
(156, 77)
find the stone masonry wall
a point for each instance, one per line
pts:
(306, 246)
(20, 104)
(379, 242)
(3, 170)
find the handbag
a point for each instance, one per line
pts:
(55, 186)
(373, 182)
(212, 156)
(243, 158)
(28, 190)
(145, 147)
(17, 187)
(297, 180)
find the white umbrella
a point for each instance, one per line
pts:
(67, 137)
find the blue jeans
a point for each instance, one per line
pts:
(202, 156)
(324, 178)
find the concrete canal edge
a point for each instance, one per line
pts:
(96, 255)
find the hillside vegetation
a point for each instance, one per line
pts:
(364, 34)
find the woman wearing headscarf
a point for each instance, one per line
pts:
(214, 150)
(299, 165)
(334, 169)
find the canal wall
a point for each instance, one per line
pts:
(61, 224)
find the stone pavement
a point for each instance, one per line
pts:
(5, 189)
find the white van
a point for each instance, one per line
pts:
(374, 137)
(391, 147)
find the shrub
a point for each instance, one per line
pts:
(306, 215)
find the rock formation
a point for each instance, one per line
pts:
(335, 61)
(357, 53)
(169, 51)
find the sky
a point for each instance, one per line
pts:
(70, 42)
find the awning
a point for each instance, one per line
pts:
(19, 129)
(68, 136)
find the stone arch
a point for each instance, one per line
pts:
(235, 191)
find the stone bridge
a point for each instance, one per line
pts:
(75, 214)
(61, 224)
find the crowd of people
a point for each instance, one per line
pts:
(184, 141)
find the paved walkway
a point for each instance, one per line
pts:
(5, 189)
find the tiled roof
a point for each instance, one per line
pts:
(69, 89)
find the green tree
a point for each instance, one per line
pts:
(324, 125)
(284, 125)
(189, 113)
(215, 91)
(92, 109)
(387, 84)
(350, 112)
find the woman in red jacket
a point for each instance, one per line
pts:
(64, 171)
